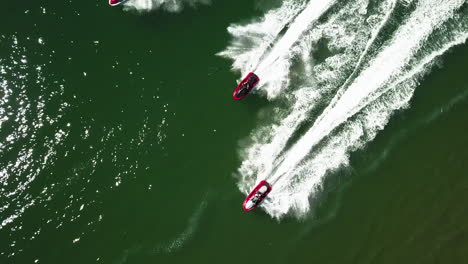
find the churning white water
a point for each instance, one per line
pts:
(377, 52)
(168, 5)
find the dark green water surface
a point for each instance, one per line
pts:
(140, 139)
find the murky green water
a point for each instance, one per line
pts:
(120, 143)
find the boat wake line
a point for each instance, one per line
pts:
(369, 74)
(269, 57)
(168, 5)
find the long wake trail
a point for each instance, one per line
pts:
(270, 54)
(382, 74)
(303, 21)
(428, 15)
(168, 5)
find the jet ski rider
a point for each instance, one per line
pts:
(246, 86)
(257, 197)
(244, 89)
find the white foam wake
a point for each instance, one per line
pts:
(256, 46)
(168, 5)
(307, 176)
(428, 15)
(275, 66)
(363, 106)
(265, 154)
(250, 42)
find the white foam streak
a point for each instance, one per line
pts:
(264, 157)
(168, 5)
(273, 70)
(250, 42)
(303, 21)
(272, 64)
(372, 81)
(295, 193)
(428, 15)
(251, 170)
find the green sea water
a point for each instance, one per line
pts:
(120, 143)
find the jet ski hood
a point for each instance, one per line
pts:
(116, 2)
(245, 86)
(257, 195)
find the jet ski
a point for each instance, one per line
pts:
(116, 2)
(257, 195)
(245, 86)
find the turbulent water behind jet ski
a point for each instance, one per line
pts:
(376, 51)
(168, 5)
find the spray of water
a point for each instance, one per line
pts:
(273, 72)
(363, 89)
(251, 45)
(371, 78)
(168, 5)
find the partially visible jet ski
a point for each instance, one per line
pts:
(116, 2)
(257, 195)
(245, 86)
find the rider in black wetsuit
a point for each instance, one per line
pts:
(257, 197)
(243, 90)
(253, 78)
(247, 86)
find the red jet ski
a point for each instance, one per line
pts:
(116, 2)
(245, 86)
(257, 195)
